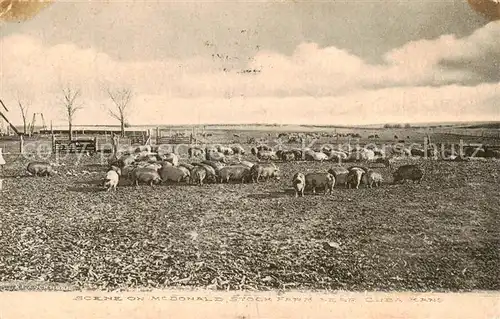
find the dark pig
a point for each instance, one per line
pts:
(145, 175)
(321, 180)
(408, 172)
(39, 169)
(234, 173)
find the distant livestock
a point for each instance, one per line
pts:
(188, 166)
(337, 156)
(354, 177)
(316, 156)
(214, 164)
(225, 150)
(361, 155)
(174, 174)
(267, 155)
(238, 173)
(299, 184)
(39, 169)
(264, 170)
(256, 149)
(211, 175)
(145, 175)
(237, 149)
(408, 172)
(198, 175)
(321, 180)
(196, 152)
(340, 174)
(247, 164)
(215, 156)
(372, 178)
(287, 156)
(112, 179)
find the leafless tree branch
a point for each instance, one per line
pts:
(121, 99)
(71, 107)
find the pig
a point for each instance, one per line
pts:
(264, 170)
(354, 177)
(211, 174)
(166, 163)
(126, 171)
(264, 148)
(298, 153)
(186, 171)
(210, 149)
(247, 164)
(196, 152)
(188, 166)
(216, 165)
(174, 174)
(299, 184)
(320, 180)
(234, 173)
(408, 172)
(266, 155)
(198, 175)
(127, 160)
(337, 156)
(142, 156)
(361, 155)
(233, 160)
(237, 149)
(317, 156)
(372, 178)
(279, 153)
(215, 156)
(172, 158)
(39, 169)
(287, 156)
(225, 150)
(155, 166)
(112, 178)
(340, 174)
(145, 175)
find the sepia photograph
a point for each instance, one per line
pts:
(251, 147)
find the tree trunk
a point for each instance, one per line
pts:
(24, 124)
(70, 126)
(122, 124)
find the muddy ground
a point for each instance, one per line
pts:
(442, 234)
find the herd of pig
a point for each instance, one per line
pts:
(218, 165)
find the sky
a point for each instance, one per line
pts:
(285, 62)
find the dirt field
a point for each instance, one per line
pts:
(440, 235)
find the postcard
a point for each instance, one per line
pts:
(249, 159)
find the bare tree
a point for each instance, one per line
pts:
(24, 107)
(121, 99)
(70, 106)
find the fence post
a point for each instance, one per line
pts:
(95, 144)
(21, 144)
(53, 143)
(157, 135)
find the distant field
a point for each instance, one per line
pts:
(440, 235)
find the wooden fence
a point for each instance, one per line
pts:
(74, 146)
(163, 136)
